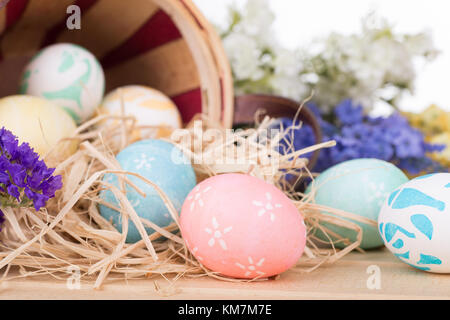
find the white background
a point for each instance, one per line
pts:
(299, 21)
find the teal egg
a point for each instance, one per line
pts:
(358, 186)
(160, 162)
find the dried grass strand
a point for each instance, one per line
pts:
(71, 231)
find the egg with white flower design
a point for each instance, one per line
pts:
(163, 164)
(359, 187)
(242, 227)
(414, 222)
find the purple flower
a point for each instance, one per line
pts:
(303, 135)
(418, 165)
(25, 180)
(328, 129)
(434, 147)
(348, 113)
(361, 136)
(342, 153)
(408, 144)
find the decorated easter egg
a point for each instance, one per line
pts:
(39, 122)
(356, 186)
(69, 75)
(149, 106)
(163, 164)
(414, 222)
(243, 227)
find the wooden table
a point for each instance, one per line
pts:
(347, 279)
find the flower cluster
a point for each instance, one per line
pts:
(435, 125)
(432, 121)
(373, 65)
(259, 63)
(25, 180)
(358, 135)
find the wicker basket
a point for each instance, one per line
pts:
(165, 44)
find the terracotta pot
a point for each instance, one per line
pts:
(245, 107)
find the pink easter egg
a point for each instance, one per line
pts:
(242, 227)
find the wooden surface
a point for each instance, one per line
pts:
(346, 279)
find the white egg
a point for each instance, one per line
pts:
(414, 223)
(68, 75)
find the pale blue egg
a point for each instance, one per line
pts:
(160, 162)
(361, 187)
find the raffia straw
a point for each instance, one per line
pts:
(71, 232)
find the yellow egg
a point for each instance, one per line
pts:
(156, 115)
(41, 123)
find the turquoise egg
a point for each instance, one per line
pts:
(160, 162)
(360, 187)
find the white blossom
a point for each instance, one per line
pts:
(421, 44)
(244, 54)
(286, 76)
(371, 66)
(257, 19)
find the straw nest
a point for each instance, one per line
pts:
(70, 232)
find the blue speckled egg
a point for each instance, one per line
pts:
(160, 162)
(358, 186)
(414, 223)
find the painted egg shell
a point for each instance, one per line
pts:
(160, 162)
(69, 75)
(360, 187)
(39, 122)
(149, 106)
(242, 226)
(415, 222)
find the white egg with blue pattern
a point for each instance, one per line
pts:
(414, 223)
(160, 162)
